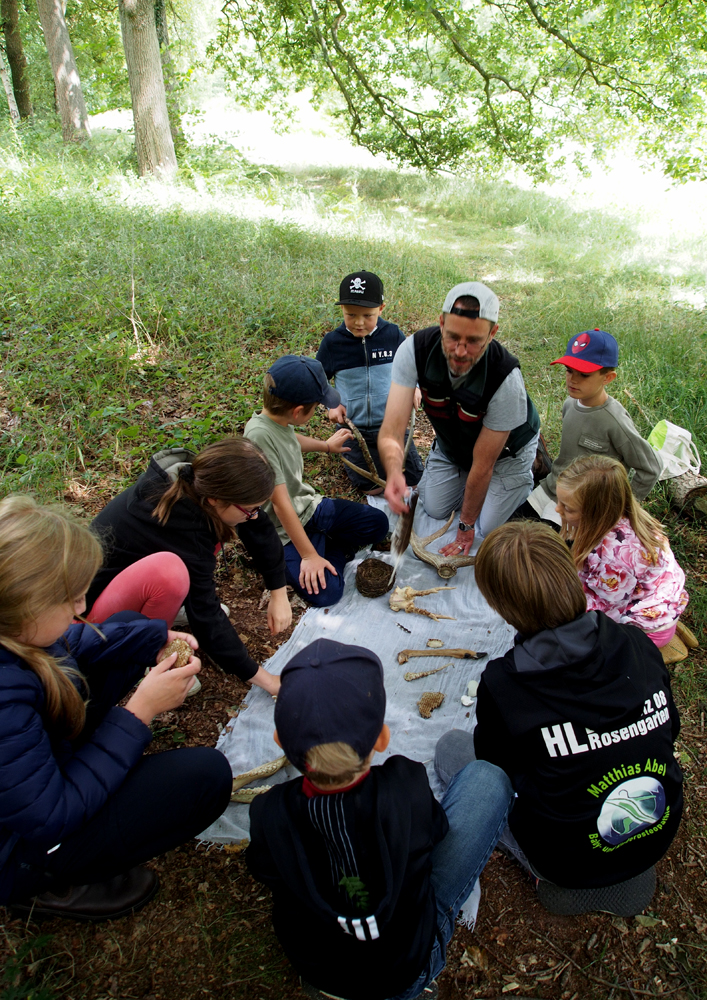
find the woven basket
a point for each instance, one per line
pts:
(373, 578)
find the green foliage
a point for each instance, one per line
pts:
(21, 977)
(469, 86)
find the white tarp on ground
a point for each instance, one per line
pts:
(247, 740)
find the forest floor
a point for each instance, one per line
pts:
(135, 317)
(208, 933)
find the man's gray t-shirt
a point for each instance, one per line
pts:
(507, 409)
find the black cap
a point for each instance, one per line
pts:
(330, 693)
(362, 288)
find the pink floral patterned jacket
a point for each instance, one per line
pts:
(620, 580)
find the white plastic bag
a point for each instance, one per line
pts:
(676, 449)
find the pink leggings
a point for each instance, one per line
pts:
(155, 586)
(663, 637)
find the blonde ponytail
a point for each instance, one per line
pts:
(46, 559)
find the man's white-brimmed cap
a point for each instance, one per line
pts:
(488, 300)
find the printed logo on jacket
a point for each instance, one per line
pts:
(634, 801)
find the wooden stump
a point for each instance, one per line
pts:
(689, 492)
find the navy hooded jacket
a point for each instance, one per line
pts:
(49, 788)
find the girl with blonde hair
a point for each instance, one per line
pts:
(80, 807)
(623, 557)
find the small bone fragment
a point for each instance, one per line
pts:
(435, 643)
(467, 701)
(460, 654)
(429, 701)
(246, 795)
(403, 599)
(181, 648)
(411, 676)
(471, 689)
(263, 771)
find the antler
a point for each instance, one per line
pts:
(372, 474)
(446, 566)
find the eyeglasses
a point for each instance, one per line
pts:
(249, 514)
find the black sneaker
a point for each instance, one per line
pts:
(625, 899)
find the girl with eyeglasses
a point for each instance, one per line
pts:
(162, 537)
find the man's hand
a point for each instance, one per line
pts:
(337, 442)
(395, 490)
(338, 414)
(461, 544)
(279, 611)
(417, 398)
(311, 573)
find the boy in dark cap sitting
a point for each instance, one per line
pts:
(320, 534)
(367, 870)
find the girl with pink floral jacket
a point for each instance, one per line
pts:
(623, 557)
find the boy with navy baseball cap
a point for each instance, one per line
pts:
(320, 535)
(593, 422)
(368, 871)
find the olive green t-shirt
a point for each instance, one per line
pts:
(283, 451)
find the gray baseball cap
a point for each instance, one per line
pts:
(488, 301)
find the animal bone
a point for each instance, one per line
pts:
(372, 472)
(429, 701)
(410, 676)
(460, 654)
(435, 643)
(263, 771)
(246, 795)
(446, 566)
(182, 649)
(403, 599)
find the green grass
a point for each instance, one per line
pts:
(118, 295)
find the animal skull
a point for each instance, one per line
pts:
(403, 599)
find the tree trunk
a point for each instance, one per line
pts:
(72, 107)
(153, 138)
(170, 79)
(9, 15)
(5, 77)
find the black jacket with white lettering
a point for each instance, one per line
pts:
(353, 905)
(582, 720)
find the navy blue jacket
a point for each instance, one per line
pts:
(48, 789)
(361, 368)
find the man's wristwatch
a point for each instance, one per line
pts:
(466, 527)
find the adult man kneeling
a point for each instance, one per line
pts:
(485, 423)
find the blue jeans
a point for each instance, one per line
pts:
(476, 802)
(442, 487)
(337, 530)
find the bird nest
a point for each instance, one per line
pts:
(374, 578)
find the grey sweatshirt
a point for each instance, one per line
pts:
(604, 430)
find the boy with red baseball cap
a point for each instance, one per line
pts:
(593, 422)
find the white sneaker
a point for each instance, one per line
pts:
(195, 688)
(181, 622)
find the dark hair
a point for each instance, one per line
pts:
(234, 470)
(526, 573)
(470, 302)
